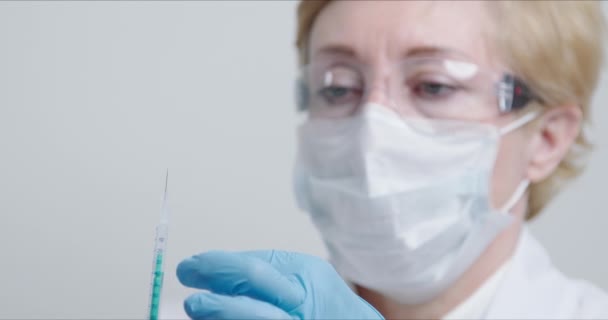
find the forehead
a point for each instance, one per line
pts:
(385, 31)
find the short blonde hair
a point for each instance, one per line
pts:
(556, 46)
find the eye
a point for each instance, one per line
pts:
(337, 95)
(433, 90)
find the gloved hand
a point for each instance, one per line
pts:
(268, 285)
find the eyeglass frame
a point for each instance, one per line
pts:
(513, 93)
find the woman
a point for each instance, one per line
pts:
(435, 130)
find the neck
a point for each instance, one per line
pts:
(497, 253)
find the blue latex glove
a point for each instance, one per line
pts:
(268, 285)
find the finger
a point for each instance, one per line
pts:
(215, 306)
(288, 262)
(241, 274)
(279, 259)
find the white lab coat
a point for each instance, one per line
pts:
(532, 288)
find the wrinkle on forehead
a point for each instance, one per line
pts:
(382, 31)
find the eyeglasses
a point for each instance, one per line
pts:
(421, 87)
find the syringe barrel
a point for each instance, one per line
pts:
(157, 273)
(162, 231)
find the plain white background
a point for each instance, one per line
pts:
(97, 99)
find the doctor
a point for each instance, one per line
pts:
(435, 131)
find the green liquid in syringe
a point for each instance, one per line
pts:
(157, 284)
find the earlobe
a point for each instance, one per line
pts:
(555, 133)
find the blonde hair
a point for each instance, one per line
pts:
(556, 46)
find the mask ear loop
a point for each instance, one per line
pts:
(518, 123)
(517, 195)
(523, 186)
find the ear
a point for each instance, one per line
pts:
(555, 132)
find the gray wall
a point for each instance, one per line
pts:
(98, 98)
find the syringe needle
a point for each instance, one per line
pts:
(166, 183)
(164, 215)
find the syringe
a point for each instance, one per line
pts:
(160, 243)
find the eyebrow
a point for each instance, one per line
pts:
(426, 51)
(419, 51)
(336, 49)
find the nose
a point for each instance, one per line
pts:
(388, 90)
(378, 91)
(378, 95)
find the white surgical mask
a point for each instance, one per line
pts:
(403, 205)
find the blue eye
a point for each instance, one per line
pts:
(433, 90)
(336, 95)
(334, 92)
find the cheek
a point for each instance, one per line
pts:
(510, 167)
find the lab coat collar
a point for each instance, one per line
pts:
(532, 288)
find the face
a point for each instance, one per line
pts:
(381, 38)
